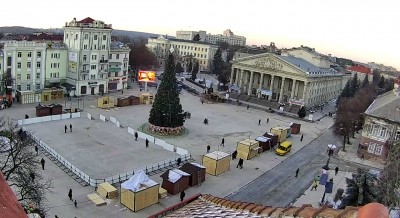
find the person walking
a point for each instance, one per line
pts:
(42, 161)
(136, 136)
(234, 155)
(37, 150)
(248, 107)
(259, 121)
(297, 172)
(75, 203)
(267, 120)
(202, 101)
(70, 127)
(301, 138)
(182, 195)
(70, 194)
(65, 129)
(223, 142)
(336, 170)
(240, 163)
(147, 143)
(314, 185)
(32, 175)
(208, 148)
(362, 157)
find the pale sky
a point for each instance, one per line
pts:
(363, 31)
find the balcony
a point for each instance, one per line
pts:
(103, 61)
(103, 71)
(126, 59)
(114, 69)
(85, 72)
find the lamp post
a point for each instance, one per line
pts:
(331, 149)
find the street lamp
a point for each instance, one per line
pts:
(331, 149)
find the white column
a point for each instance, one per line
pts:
(237, 77)
(260, 85)
(281, 91)
(293, 88)
(231, 79)
(241, 79)
(304, 91)
(272, 86)
(251, 82)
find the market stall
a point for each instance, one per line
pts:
(105, 102)
(197, 173)
(264, 143)
(247, 149)
(216, 162)
(281, 132)
(175, 181)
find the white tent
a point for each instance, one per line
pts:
(137, 181)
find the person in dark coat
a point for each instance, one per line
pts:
(297, 172)
(234, 155)
(248, 107)
(32, 175)
(136, 136)
(301, 139)
(208, 148)
(259, 121)
(65, 129)
(147, 143)
(70, 127)
(267, 120)
(182, 195)
(70, 194)
(75, 203)
(336, 170)
(179, 161)
(37, 150)
(223, 142)
(42, 161)
(240, 163)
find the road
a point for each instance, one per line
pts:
(279, 187)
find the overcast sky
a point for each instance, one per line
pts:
(360, 30)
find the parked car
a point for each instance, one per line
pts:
(284, 148)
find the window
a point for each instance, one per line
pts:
(76, 36)
(117, 56)
(103, 47)
(383, 132)
(38, 64)
(38, 76)
(39, 54)
(397, 137)
(19, 54)
(29, 54)
(28, 65)
(104, 37)
(19, 87)
(85, 46)
(86, 36)
(28, 87)
(375, 129)
(93, 67)
(95, 37)
(378, 149)
(110, 56)
(19, 65)
(18, 76)
(92, 76)
(94, 57)
(37, 86)
(371, 147)
(84, 58)
(28, 76)
(95, 46)
(83, 89)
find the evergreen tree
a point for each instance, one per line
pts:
(361, 189)
(190, 66)
(346, 93)
(223, 77)
(195, 70)
(375, 77)
(365, 82)
(354, 85)
(167, 109)
(179, 68)
(381, 83)
(302, 112)
(196, 37)
(217, 63)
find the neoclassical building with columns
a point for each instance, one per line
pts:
(285, 79)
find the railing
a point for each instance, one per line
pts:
(103, 61)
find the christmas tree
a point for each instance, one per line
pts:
(167, 109)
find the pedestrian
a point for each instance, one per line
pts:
(223, 142)
(297, 172)
(240, 163)
(55, 216)
(70, 194)
(259, 121)
(301, 139)
(208, 148)
(362, 157)
(65, 128)
(248, 107)
(136, 135)
(182, 195)
(267, 120)
(202, 101)
(75, 203)
(147, 143)
(37, 150)
(178, 161)
(314, 185)
(70, 127)
(122, 91)
(32, 175)
(234, 155)
(42, 161)
(336, 170)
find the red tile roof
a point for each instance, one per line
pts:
(9, 205)
(360, 68)
(86, 20)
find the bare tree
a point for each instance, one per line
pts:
(20, 165)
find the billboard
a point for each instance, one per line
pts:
(146, 76)
(72, 61)
(73, 56)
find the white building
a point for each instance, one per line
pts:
(118, 66)
(199, 51)
(88, 44)
(227, 37)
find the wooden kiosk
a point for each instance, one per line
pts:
(146, 98)
(139, 192)
(216, 162)
(247, 149)
(264, 142)
(105, 102)
(197, 173)
(175, 181)
(280, 132)
(42, 110)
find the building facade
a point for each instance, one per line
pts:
(381, 126)
(227, 37)
(199, 51)
(361, 71)
(285, 79)
(88, 43)
(55, 65)
(118, 66)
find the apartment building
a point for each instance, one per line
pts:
(88, 43)
(227, 37)
(201, 52)
(118, 66)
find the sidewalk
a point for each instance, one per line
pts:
(350, 155)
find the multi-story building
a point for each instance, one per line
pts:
(361, 71)
(88, 43)
(56, 65)
(227, 37)
(118, 66)
(381, 67)
(285, 79)
(381, 126)
(202, 52)
(2, 88)
(310, 55)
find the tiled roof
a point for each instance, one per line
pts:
(9, 205)
(86, 20)
(385, 106)
(360, 68)
(32, 37)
